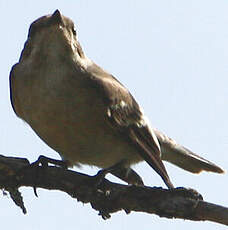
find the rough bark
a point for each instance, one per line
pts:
(107, 197)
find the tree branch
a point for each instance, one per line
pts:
(108, 197)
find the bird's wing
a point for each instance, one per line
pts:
(13, 97)
(126, 116)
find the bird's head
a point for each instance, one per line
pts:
(52, 35)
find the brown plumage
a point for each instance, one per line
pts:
(83, 112)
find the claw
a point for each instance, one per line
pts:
(35, 191)
(99, 177)
(43, 161)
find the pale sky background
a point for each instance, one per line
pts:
(172, 55)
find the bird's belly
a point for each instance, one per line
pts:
(87, 144)
(84, 138)
(72, 119)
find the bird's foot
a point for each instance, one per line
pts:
(43, 162)
(100, 176)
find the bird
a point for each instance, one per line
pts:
(84, 113)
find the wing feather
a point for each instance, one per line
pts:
(126, 117)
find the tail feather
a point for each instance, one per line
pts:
(183, 157)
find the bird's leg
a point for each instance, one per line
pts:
(121, 171)
(99, 177)
(128, 175)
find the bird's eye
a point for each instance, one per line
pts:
(74, 31)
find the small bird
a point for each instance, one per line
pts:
(85, 113)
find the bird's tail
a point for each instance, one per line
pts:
(182, 157)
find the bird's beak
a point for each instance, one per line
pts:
(57, 17)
